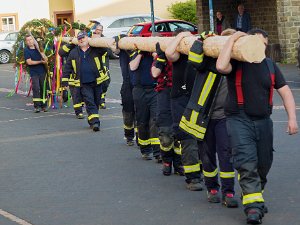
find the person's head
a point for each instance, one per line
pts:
(241, 9)
(219, 15)
(263, 35)
(228, 32)
(99, 29)
(179, 30)
(29, 41)
(82, 38)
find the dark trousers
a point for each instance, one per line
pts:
(105, 86)
(145, 102)
(128, 110)
(91, 94)
(165, 130)
(252, 149)
(189, 146)
(216, 141)
(38, 91)
(77, 99)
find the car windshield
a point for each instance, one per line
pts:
(136, 30)
(3, 36)
(176, 25)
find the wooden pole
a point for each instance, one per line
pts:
(248, 48)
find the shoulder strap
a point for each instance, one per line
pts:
(272, 76)
(238, 85)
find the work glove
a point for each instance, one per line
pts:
(196, 54)
(206, 34)
(117, 39)
(134, 53)
(161, 59)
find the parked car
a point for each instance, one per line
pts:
(115, 25)
(164, 27)
(7, 40)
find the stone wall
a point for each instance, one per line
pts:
(280, 18)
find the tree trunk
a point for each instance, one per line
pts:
(248, 48)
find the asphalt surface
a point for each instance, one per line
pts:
(55, 171)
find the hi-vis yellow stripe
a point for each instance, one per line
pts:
(93, 116)
(192, 128)
(74, 65)
(154, 141)
(227, 174)
(166, 149)
(77, 105)
(65, 48)
(161, 60)
(128, 127)
(210, 174)
(206, 88)
(144, 142)
(177, 150)
(192, 168)
(251, 198)
(37, 99)
(193, 57)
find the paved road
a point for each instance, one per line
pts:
(55, 171)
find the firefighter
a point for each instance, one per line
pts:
(162, 72)
(183, 78)
(85, 63)
(105, 59)
(128, 111)
(144, 97)
(204, 119)
(73, 86)
(248, 108)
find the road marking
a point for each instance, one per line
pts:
(8, 71)
(13, 218)
(55, 134)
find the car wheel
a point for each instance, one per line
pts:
(4, 56)
(112, 55)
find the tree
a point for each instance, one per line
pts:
(184, 11)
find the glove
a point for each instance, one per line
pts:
(134, 53)
(161, 59)
(196, 53)
(117, 39)
(206, 34)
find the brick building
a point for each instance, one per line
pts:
(280, 18)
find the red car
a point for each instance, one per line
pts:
(164, 27)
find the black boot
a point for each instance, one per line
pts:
(254, 216)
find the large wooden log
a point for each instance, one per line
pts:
(249, 48)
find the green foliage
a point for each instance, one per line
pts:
(184, 11)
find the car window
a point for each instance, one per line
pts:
(117, 24)
(148, 19)
(160, 27)
(11, 37)
(135, 30)
(128, 22)
(175, 25)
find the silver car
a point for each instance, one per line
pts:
(7, 40)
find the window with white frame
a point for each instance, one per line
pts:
(8, 23)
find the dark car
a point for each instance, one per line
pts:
(164, 27)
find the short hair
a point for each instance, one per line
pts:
(258, 31)
(99, 25)
(228, 31)
(27, 35)
(179, 30)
